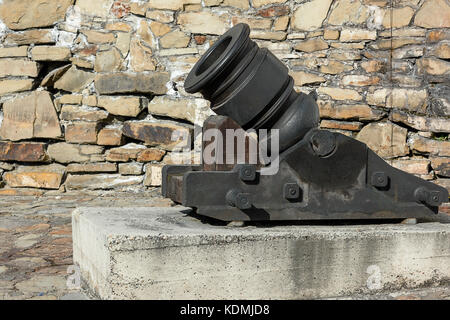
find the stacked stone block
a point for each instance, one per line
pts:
(91, 92)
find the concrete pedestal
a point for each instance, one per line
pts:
(162, 253)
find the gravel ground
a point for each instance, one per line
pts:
(36, 245)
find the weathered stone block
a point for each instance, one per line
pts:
(123, 106)
(267, 35)
(433, 66)
(82, 113)
(123, 43)
(150, 154)
(69, 99)
(68, 153)
(125, 153)
(192, 110)
(101, 181)
(305, 21)
(22, 152)
(82, 132)
(340, 94)
(90, 100)
(345, 55)
(281, 24)
(202, 22)
(110, 137)
(159, 29)
(413, 166)
(13, 52)
(442, 50)
(19, 15)
(170, 4)
(161, 16)
(360, 80)
(48, 53)
(99, 167)
(74, 80)
(303, 78)
(350, 35)
(372, 65)
(99, 8)
(348, 12)
(385, 138)
(441, 166)
(153, 175)
(53, 76)
(131, 169)
(429, 146)
(98, 37)
(36, 36)
(349, 111)
(433, 14)
(18, 68)
(401, 17)
(31, 116)
(330, 34)
(440, 100)
(177, 52)
(311, 45)
(141, 57)
(175, 39)
(252, 22)
(341, 125)
(165, 135)
(109, 60)
(421, 123)
(407, 99)
(44, 177)
(335, 67)
(12, 86)
(138, 8)
(395, 43)
(152, 83)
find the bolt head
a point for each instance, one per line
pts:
(435, 197)
(291, 191)
(247, 173)
(380, 179)
(243, 201)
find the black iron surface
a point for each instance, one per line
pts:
(322, 174)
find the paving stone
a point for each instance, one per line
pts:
(27, 241)
(42, 284)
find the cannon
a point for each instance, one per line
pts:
(319, 174)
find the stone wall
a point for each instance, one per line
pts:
(91, 91)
